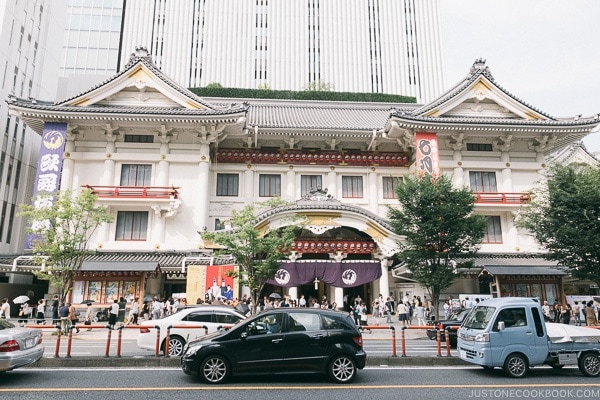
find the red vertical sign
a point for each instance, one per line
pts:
(428, 157)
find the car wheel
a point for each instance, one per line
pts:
(342, 369)
(214, 369)
(589, 364)
(516, 365)
(176, 345)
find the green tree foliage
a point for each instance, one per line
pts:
(257, 250)
(440, 231)
(62, 230)
(564, 217)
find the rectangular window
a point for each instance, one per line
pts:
(269, 185)
(389, 187)
(352, 187)
(493, 234)
(139, 139)
(479, 147)
(132, 225)
(310, 182)
(483, 182)
(135, 175)
(227, 184)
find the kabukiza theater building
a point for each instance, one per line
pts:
(170, 165)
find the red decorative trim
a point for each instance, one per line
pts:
(502, 198)
(299, 157)
(332, 246)
(135, 192)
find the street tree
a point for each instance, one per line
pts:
(564, 217)
(257, 251)
(61, 226)
(440, 231)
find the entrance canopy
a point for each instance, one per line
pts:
(343, 274)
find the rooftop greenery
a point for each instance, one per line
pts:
(300, 95)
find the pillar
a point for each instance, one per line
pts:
(203, 182)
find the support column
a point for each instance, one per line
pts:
(290, 187)
(384, 281)
(332, 182)
(373, 192)
(293, 293)
(66, 180)
(507, 184)
(249, 184)
(203, 182)
(458, 179)
(108, 176)
(162, 171)
(338, 295)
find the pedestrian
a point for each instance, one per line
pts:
(89, 315)
(65, 322)
(41, 312)
(402, 311)
(576, 310)
(5, 309)
(591, 319)
(135, 311)
(122, 305)
(389, 306)
(447, 309)
(113, 314)
(546, 311)
(420, 314)
(55, 308)
(73, 316)
(156, 308)
(565, 314)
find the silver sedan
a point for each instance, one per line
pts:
(19, 346)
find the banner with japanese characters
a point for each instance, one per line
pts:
(428, 158)
(49, 167)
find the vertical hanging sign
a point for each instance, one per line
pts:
(49, 168)
(428, 158)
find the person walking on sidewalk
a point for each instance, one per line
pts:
(402, 313)
(73, 316)
(113, 314)
(89, 315)
(41, 312)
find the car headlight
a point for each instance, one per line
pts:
(482, 337)
(190, 350)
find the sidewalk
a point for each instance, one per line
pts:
(99, 332)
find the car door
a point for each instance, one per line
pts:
(305, 341)
(259, 345)
(518, 334)
(196, 319)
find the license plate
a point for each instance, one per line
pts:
(29, 343)
(463, 354)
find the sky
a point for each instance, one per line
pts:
(544, 52)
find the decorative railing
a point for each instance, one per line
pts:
(331, 246)
(134, 192)
(502, 198)
(320, 157)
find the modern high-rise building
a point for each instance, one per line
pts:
(380, 46)
(28, 67)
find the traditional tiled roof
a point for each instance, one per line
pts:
(517, 264)
(478, 70)
(166, 261)
(141, 56)
(312, 115)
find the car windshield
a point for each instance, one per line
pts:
(479, 317)
(4, 324)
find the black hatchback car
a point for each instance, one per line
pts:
(284, 340)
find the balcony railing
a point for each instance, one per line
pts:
(134, 192)
(502, 198)
(332, 246)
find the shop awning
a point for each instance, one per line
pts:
(528, 270)
(110, 266)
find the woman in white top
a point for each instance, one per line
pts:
(5, 309)
(41, 312)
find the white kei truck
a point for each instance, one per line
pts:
(510, 333)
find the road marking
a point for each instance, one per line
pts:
(289, 388)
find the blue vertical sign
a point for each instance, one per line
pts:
(49, 168)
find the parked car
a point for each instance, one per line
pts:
(213, 317)
(19, 346)
(455, 319)
(283, 340)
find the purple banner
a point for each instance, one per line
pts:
(345, 274)
(49, 167)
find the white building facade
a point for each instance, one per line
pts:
(171, 165)
(29, 66)
(380, 46)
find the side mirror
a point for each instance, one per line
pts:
(501, 326)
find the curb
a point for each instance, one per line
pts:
(161, 362)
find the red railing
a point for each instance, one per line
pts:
(502, 198)
(134, 192)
